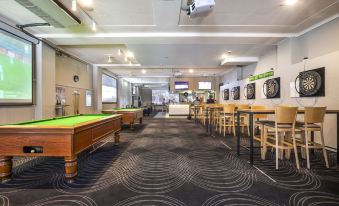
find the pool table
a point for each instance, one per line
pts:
(58, 137)
(130, 115)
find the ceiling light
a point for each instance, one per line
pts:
(126, 59)
(191, 70)
(86, 3)
(130, 54)
(289, 2)
(119, 52)
(224, 56)
(143, 71)
(74, 5)
(94, 26)
(109, 59)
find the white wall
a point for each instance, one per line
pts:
(321, 46)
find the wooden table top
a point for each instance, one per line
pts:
(272, 111)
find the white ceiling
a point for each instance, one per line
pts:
(161, 35)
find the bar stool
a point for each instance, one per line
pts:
(285, 121)
(313, 122)
(227, 118)
(244, 118)
(258, 122)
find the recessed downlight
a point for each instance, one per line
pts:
(143, 71)
(289, 2)
(191, 70)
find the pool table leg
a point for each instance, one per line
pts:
(131, 125)
(70, 168)
(5, 168)
(117, 137)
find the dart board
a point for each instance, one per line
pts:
(236, 93)
(271, 88)
(226, 94)
(249, 91)
(311, 83)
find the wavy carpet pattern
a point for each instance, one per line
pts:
(171, 162)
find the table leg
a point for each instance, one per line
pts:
(211, 122)
(117, 137)
(251, 137)
(195, 114)
(206, 120)
(312, 140)
(140, 120)
(337, 139)
(5, 168)
(238, 133)
(70, 168)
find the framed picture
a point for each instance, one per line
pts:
(236, 93)
(249, 91)
(226, 94)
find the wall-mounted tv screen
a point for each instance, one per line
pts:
(16, 70)
(205, 85)
(181, 86)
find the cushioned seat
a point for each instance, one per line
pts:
(263, 121)
(272, 124)
(302, 125)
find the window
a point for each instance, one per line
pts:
(16, 70)
(88, 98)
(109, 89)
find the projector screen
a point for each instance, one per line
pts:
(16, 70)
(181, 86)
(109, 89)
(205, 85)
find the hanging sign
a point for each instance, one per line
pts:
(261, 76)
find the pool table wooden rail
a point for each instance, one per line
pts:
(129, 117)
(58, 141)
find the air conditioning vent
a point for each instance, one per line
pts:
(49, 11)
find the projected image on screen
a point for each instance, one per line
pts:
(109, 89)
(205, 85)
(15, 70)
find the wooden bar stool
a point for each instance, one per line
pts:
(258, 123)
(285, 121)
(227, 118)
(244, 118)
(313, 122)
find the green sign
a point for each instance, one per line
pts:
(261, 76)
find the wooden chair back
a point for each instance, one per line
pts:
(314, 115)
(259, 116)
(243, 106)
(285, 115)
(229, 108)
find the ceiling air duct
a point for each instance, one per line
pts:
(52, 11)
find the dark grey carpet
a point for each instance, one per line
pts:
(171, 162)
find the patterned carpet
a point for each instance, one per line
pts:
(171, 162)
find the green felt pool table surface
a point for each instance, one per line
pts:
(67, 121)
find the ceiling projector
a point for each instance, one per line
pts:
(200, 8)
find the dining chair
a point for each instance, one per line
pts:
(313, 122)
(227, 119)
(284, 123)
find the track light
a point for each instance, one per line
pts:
(130, 54)
(126, 59)
(74, 5)
(94, 26)
(119, 52)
